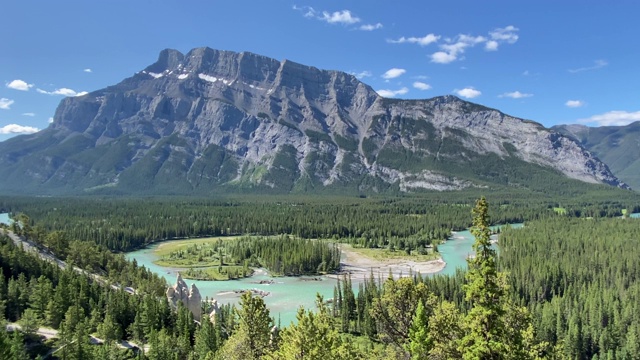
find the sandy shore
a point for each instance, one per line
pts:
(360, 266)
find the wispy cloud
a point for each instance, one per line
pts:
(371, 27)
(421, 85)
(18, 129)
(50, 121)
(307, 11)
(393, 73)
(340, 17)
(501, 35)
(422, 41)
(574, 103)
(468, 93)
(87, 70)
(613, 118)
(19, 85)
(452, 48)
(392, 93)
(362, 74)
(515, 95)
(5, 104)
(29, 114)
(597, 64)
(63, 92)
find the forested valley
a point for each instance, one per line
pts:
(564, 286)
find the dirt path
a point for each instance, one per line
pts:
(360, 266)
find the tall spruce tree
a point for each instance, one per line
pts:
(484, 329)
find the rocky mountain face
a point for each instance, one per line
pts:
(212, 121)
(617, 146)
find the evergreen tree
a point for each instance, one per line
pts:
(484, 330)
(445, 332)
(419, 341)
(251, 338)
(313, 338)
(206, 340)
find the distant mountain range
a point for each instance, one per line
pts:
(217, 121)
(617, 146)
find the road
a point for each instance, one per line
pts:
(46, 255)
(50, 333)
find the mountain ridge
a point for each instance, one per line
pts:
(213, 119)
(617, 146)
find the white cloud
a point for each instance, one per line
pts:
(598, 64)
(339, 17)
(422, 41)
(613, 118)
(5, 104)
(515, 95)
(50, 121)
(491, 45)
(506, 34)
(18, 129)
(442, 57)
(362, 74)
(421, 86)
(307, 11)
(371, 27)
(392, 93)
(453, 48)
(393, 73)
(87, 70)
(574, 103)
(29, 114)
(63, 92)
(19, 85)
(468, 93)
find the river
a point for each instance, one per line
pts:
(4, 218)
(288, 293)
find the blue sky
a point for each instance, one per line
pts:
(555, 62)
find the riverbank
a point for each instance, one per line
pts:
(361, 267)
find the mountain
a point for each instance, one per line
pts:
(617, 146)
(219, 121)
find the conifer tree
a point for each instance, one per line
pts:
(251, 338)
(419, 342)
(484, 329)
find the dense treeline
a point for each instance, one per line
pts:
(581, 280)
(577, 277)
(404, 223)
(283, 255)
(405, 317)
(37, 293)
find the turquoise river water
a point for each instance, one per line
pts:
(4, 218)
(287, 294)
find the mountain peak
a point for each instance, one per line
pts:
(214, 120)
(167, 59)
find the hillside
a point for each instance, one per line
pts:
(218, 121)
(617, 146)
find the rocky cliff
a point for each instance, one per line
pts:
(617, 146)
(189, 297)
(215, 120)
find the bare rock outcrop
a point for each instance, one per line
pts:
(190, 297)
(213, 119)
